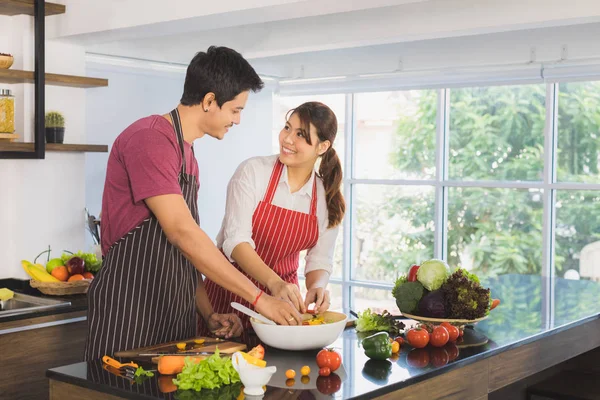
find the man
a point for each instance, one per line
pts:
(150, 288)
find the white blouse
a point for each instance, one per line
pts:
(247, 188)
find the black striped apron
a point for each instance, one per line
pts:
(145, 292)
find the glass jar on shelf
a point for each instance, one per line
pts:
(7, 111)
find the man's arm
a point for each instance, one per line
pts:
(184, 233)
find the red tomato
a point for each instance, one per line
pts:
(452, 351)
(400, 340)
(258, 352)
(412, 273)
(324, 371)
(417, 337)
(418, 358)
(329, 384)
(439, 357)
(439, 337)
(452, 331)
(329, 358)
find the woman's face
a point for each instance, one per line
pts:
(294, 150)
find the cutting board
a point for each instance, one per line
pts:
(209, 346)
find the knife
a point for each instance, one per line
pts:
(180, 354)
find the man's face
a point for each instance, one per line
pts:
(221, 119)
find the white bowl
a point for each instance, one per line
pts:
(301, 337)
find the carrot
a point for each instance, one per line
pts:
(495, 304)
(171, 365)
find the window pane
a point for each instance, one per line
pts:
(497, 133)
(377, 300)
(282, 105)
(335, 294)
(495, 231)
(578, 234)
(395, 135)
(392, 229)
(579, 132)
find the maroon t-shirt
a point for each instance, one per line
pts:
(145, 161)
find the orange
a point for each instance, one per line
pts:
(60, 273)
(76, 277)
(88, 275)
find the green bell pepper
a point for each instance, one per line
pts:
(378, 346)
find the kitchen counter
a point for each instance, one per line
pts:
(78, 302)
(526, 334)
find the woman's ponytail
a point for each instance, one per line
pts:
(330, 171)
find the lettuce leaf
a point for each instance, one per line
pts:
(211, 373)
(369, 321)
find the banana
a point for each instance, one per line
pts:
(37, 272)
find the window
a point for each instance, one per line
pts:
(479, 176)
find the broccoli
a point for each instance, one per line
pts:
(407, 294)
(465, 298)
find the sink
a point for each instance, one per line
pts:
(23, 304)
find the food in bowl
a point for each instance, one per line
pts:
(326, 328)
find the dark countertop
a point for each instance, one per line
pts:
(78, 301)
(532, 308)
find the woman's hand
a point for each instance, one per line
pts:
(282, 312)
(290, 292)
(224, 325)
(320, 297)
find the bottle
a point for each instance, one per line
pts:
(7, 111)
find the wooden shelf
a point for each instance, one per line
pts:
(87, 148)
(20, 7)
(18, 76)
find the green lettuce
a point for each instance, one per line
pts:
(210, 373)
(368, 321)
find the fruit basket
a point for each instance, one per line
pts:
(61, 288)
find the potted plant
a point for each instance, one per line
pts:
(55, 127)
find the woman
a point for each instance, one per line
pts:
(278, 206)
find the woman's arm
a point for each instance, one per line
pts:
(249, 260)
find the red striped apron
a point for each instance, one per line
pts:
(280, 235)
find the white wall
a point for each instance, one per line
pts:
(136, 93)
(42, 201)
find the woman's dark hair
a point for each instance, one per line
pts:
(330, 170)
(219, 70)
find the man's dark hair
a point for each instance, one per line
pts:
(219, 70)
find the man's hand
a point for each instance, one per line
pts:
(281, 312)
(290, 292)
(225, 325)
(320, 297)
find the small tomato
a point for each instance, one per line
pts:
(290, 374)
(324, 371)
(395, 347)
(329, 358)
(439, 337)
(417, 337)
(453, 331)
(305, 370)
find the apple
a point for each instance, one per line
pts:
(55, 262)
(75, 266)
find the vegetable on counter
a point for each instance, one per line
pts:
(465, 298)
(211, 373)
(407, 294)
(432, 274)
(417, 337)
(171, 365)
(329, 358)
(433, 305)
(378, 346)
(369, 321)
(412, 273)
